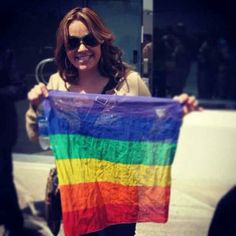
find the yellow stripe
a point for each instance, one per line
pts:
(75, 171)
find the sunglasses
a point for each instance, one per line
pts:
(88, 40)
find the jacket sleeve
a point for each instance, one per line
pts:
(133, 85)
(31, 116)
(142, 88)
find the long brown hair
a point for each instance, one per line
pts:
(110, 64)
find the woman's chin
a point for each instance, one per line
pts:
(84, 67)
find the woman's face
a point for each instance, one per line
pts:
(83, 50)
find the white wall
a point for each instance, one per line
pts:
(205, 161)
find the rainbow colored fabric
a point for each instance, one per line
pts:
(114, 157)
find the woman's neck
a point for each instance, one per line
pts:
(91, 82)
(89, 77)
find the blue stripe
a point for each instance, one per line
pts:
(113, 117)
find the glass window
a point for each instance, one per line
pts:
(192, 50)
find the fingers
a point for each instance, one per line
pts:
(36, 94)
(182, 98)
(190, 103)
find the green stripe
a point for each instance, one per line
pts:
(126, 152)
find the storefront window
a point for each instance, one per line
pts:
(192, 49)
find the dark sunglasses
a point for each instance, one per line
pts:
(88, 40)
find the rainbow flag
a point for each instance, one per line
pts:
(114, 157)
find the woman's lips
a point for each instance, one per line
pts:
(83, 57)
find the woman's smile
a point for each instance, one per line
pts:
(84, 57)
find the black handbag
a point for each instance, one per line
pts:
(53, 213)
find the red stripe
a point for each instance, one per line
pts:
(95, 219)
(93, 206)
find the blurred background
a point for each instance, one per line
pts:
(177, 46)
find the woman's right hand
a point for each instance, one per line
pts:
(36, 94)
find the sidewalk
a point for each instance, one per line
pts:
(189, 216)
(190, 210)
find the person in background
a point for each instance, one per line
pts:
(89, 62)
(12, 89)
(223, 220)
(147, 56)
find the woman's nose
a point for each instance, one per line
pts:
(81, 47)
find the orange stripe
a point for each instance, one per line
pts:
(91, 195)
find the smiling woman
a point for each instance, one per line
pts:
(82, 56)
(88, 62)
(85, 52)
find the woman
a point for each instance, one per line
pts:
(88, 62)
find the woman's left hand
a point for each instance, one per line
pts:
(190, 103)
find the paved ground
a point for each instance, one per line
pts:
(190, 209)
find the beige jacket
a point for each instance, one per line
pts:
(132, 85)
